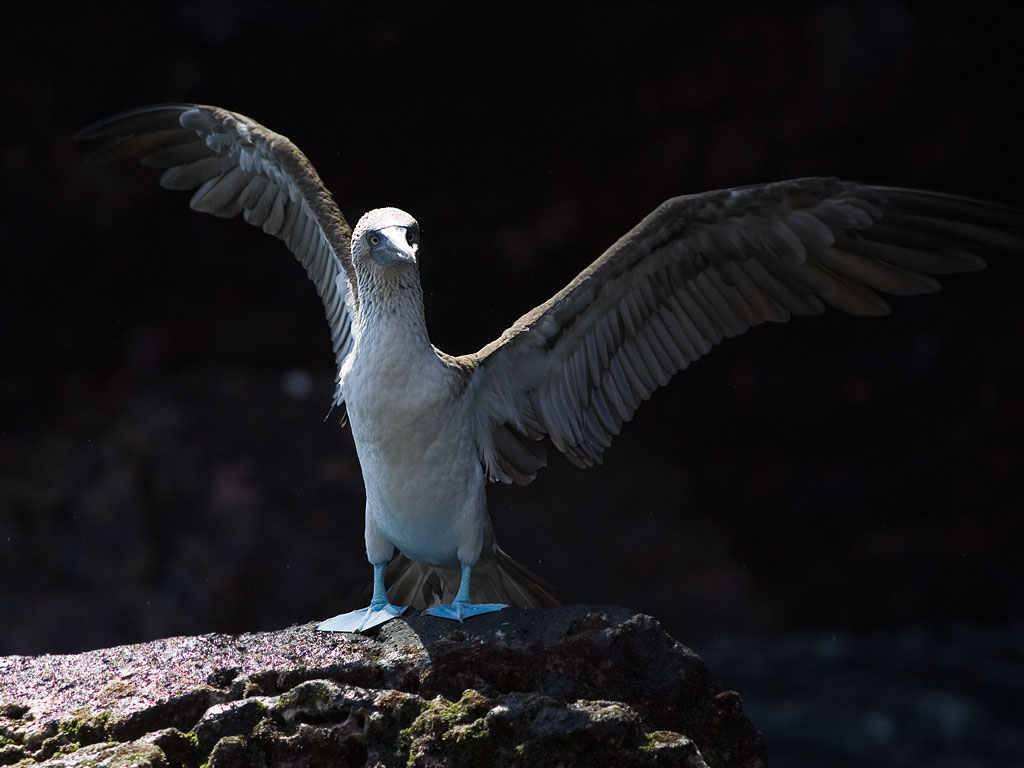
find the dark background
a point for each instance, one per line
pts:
(842, 475)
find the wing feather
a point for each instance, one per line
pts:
(236, 166)
(699, 269)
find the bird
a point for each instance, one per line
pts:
(431, 429)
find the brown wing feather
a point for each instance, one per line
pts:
(236, 166)
(700, 269)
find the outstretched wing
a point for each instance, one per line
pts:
(699, 269)
(236, 166)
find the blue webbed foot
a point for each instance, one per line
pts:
(458, 610)
(461, 608)
(364, 618)
(377, 612)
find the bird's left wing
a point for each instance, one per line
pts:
(237, 166)
(699, 269)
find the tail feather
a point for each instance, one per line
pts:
(496, 579)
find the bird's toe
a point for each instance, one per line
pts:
(458, 610)
(362, 619)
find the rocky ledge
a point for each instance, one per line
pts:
(575, 685)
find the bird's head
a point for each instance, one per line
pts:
(389, 236)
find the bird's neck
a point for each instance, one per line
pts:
(391, 306)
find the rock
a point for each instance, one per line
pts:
(575, 685)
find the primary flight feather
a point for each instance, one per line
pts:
(431, 429)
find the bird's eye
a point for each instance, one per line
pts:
(374, 239)
(412, 235)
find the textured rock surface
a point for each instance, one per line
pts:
(571, 686)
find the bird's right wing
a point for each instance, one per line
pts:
(236, 166)
(697, 270)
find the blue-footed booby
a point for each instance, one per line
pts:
(431, 429)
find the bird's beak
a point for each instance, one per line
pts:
(393, 248)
